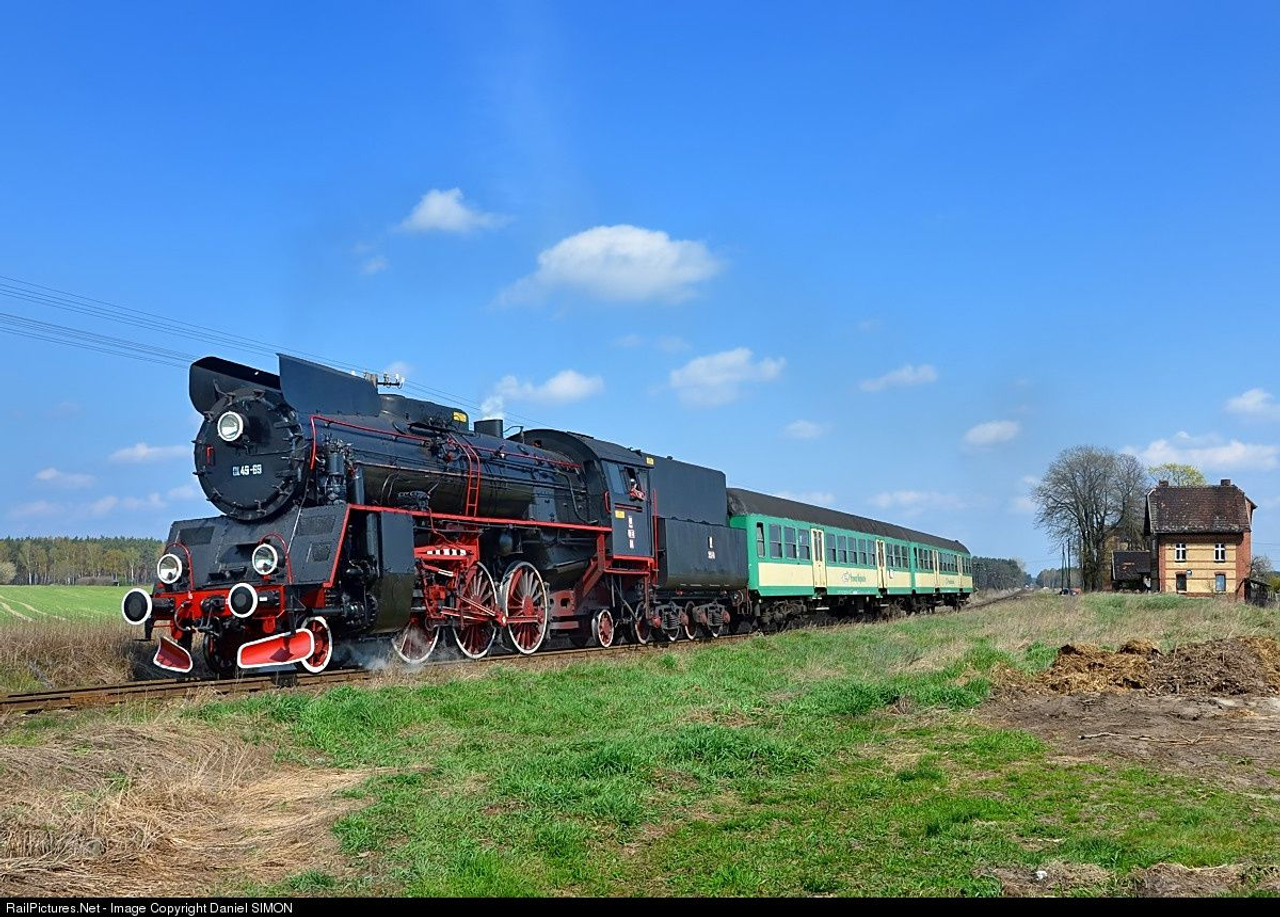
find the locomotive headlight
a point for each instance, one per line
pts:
(230, 427)
(242, 600)
(265, 559)
(169, 569)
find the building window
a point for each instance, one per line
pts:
(790, 535)
(1180, 582)
(804, 546)
(1220, 583)
(1220, 552)
(775, 541)
(759, 539)
(1180, 552)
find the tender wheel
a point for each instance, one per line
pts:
(477, 597)
(524, 598)
(715, 627)
(318, 661)
(672, 631)
(688, 623)
(416, 642)
(640, 626)
(602, 627)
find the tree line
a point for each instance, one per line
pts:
(999, 573)
(67, 561)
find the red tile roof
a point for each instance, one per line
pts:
(1218, 509)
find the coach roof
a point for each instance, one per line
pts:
(748, 502)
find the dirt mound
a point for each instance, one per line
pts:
(1239, 665)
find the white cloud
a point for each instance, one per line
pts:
(1208, 452)
(1022, 505)
(445, 211)
(1254, 404)
(717, 378)
(399, 368)
(623, 263)
(185, 492)
(900, 377)
(814, 497)
(130, 504)
(629, 341)
(64, 478)
(992, 432)
(915, 501)
(804, 429)
(375, 265)
(141, 452)
(564, 387)
(34, 509)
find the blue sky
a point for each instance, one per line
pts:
(889, 258)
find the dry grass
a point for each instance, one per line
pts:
(67, 654)
(163, 808)
(1103, 619)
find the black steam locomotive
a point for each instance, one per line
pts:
(348, 513)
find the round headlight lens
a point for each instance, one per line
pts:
(230, 427)
(169, 569)
(265, 559)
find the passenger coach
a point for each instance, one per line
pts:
(803, 558)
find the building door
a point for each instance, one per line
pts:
(819, 560)
(881, 574)
(1180, 582)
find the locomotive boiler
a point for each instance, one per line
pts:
(347, 513)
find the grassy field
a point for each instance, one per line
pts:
(47, 604)
(844, 761)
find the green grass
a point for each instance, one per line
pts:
(46, 604)
(842, 761)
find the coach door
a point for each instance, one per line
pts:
(882, 578)
(819, 559)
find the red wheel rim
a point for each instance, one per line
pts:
(477, 595)
(643, 632)
(688, 623)
(604, 628)
(524, 598)
(416, 642)
(319, 659)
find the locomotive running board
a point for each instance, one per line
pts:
(280, 649)
(173, 656)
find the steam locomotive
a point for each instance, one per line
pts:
(349, 514)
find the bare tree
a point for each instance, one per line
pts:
(1087, 496)
(1260, 568)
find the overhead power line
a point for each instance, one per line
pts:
(51, 297)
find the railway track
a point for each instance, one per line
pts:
(167, 688)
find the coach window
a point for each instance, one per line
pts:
(790, 535)
(844, 549)
(759, 539)
(831, 547)
(804, 546)
(775, 541)
(864, 552)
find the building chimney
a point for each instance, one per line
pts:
(1226, 482)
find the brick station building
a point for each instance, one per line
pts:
(1200, 539)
